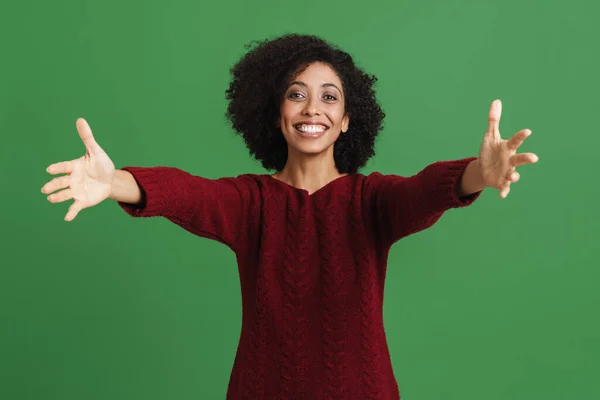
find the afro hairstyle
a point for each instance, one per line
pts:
(259, 80)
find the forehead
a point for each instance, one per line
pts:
(318, 73)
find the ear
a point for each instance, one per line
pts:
(345, 123)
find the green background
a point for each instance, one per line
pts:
(496, 301)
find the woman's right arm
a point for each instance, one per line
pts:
(218, 209)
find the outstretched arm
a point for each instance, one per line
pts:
(216, 209)
(401, 206)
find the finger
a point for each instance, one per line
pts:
(57, 183)
(61, 196)
(504, 190)
(73, 211)
(63, 167)
(85, 133)
(494, 119)
(517, 140)
(522, 159)
(513, 176)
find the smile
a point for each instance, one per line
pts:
(311, 131)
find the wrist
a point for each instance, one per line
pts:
(124, 188)
(478, 180)
(113, 185)
(472, 179)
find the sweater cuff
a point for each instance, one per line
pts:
(450, 179)
(151, 182)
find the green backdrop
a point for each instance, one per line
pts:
(497, 301)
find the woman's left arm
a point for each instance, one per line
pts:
(400, 206)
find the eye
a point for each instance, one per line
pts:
(295, 95)
(330, 97)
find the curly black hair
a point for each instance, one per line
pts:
(259, 80)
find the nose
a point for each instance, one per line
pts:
(311, 107)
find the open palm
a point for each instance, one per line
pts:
(88, 179)
(498, 157)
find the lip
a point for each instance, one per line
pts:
(308, 135)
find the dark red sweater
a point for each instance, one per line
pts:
(311, 267)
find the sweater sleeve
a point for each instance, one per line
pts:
(213, 209)
(401, 206)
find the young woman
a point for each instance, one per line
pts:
(311, 239)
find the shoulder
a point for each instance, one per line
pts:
(256, 181)
(253, 183)
(375, 180)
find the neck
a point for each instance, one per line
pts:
(309, 172)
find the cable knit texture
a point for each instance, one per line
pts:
(312, 269)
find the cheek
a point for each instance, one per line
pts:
(285, 120)
(290, 107)
(338, 116)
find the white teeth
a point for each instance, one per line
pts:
(311, 128)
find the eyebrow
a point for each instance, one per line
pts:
(323, 85)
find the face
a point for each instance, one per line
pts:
(312, 111)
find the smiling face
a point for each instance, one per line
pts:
(312, 112)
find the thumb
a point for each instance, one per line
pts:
(494, 115)
(85, 133)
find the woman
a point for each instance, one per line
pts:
(312, 239)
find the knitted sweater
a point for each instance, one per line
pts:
(311, 267)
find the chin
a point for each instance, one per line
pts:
(312, 149)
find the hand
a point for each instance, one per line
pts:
(88, 179)
(498, 158)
